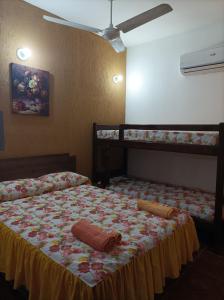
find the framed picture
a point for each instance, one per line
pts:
(30, 90)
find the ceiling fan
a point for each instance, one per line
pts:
(112, 33)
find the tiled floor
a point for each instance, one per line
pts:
(201, 280)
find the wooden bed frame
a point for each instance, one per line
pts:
(35, 166)
(103, 153)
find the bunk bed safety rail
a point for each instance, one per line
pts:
(175, 127)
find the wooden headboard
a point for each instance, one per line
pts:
(31, 167)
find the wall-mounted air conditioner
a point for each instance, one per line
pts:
(205, 60)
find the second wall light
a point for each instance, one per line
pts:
(117, 78)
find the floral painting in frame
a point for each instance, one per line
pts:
(30, 90)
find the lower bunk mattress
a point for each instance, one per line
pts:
(198, 203)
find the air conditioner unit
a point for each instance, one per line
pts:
(205, 60)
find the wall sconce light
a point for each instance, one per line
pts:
(23, 53)
(117, 78)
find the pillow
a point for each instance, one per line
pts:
(22, 188)
(64, 180)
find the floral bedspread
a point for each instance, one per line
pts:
(163, 136)
(45, 221)
(196, 202)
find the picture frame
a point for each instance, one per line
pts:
(29, 90)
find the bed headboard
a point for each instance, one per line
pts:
(35, 166)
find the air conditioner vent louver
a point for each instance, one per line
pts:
(204, 60)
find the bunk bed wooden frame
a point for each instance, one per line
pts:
(105, 146)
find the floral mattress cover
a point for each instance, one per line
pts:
(196, 202)
(45, 221)
(163, 136)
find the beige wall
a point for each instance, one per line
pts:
(82, 92)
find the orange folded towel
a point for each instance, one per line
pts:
(95, 236)
(157, 209)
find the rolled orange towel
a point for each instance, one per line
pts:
(157, 209)
(95, 236)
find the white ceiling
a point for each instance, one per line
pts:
(187, 15)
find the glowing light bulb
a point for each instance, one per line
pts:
(117, 78)
(23, 53)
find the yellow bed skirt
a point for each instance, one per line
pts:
(140, 279)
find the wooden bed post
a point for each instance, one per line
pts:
(125, 161)
(105, 150)
(125, 150)
(218, 224)
(94, 153)
(121, 132)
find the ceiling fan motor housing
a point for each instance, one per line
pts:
(111, 33)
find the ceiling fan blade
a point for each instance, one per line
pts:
(145, 17)
(71, 24)
(118, 45)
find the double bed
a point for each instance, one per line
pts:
(38, 250)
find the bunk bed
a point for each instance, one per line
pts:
(110, 156)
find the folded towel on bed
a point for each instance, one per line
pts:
(157, 209)
(95, 236)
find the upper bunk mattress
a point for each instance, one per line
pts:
(198, 203)
(209, 138)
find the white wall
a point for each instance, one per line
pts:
(158, 93)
